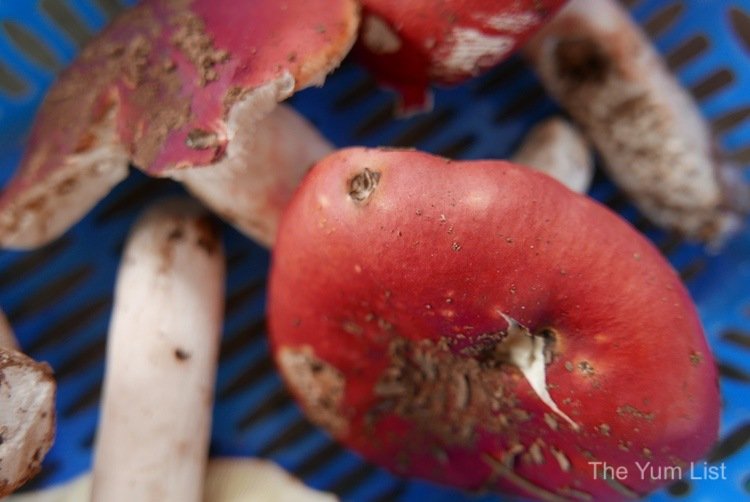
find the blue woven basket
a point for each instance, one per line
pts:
(59, 298)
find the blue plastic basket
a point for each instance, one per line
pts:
(59, 298)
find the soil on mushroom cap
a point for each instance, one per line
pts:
(449, 395)
(318, 385)
(191, 38)
(133, 55)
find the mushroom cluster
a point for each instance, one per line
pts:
(484, 325)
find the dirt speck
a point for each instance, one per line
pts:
(604, 429)
(181, 354)
(624, 445)
(352, 328)
(199, 139)
(634, 412)
(362, 185)
(586, 368)
(551, 421)
(562, 460)
(208, 238)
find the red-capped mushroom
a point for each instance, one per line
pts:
(176, 87)
(409, 45)
(652, 138)
(479, 325)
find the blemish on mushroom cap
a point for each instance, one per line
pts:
(319, 386)
(362, 185)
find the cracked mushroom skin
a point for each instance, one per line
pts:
(407, 45)
(174, 86)
(488, 327)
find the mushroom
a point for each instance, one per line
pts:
(178, 87)
(27, 413)
(479, 325)
(652, 138)
(227, 480)
(162, 348)
(556, 147)
(407, 45)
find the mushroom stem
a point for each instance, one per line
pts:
(557, 148)
(652, 138)
(272, 148)
(27, 418)
(7, 338)
(152, 443)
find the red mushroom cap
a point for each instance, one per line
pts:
(402, 282)
(157, 88)
(410, 44)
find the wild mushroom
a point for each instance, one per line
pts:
(408, 45)
(227, 480)
(178, 87)
(152, 441)
(477, 324)
(556, 147)
(655, 145)
(27, 417)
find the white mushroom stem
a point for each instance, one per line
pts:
(152, 442)
(558, 149)
(227, 480)
(7, 338)
(271, 148)
(654, 143)
(525, 351)
(27, 418)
